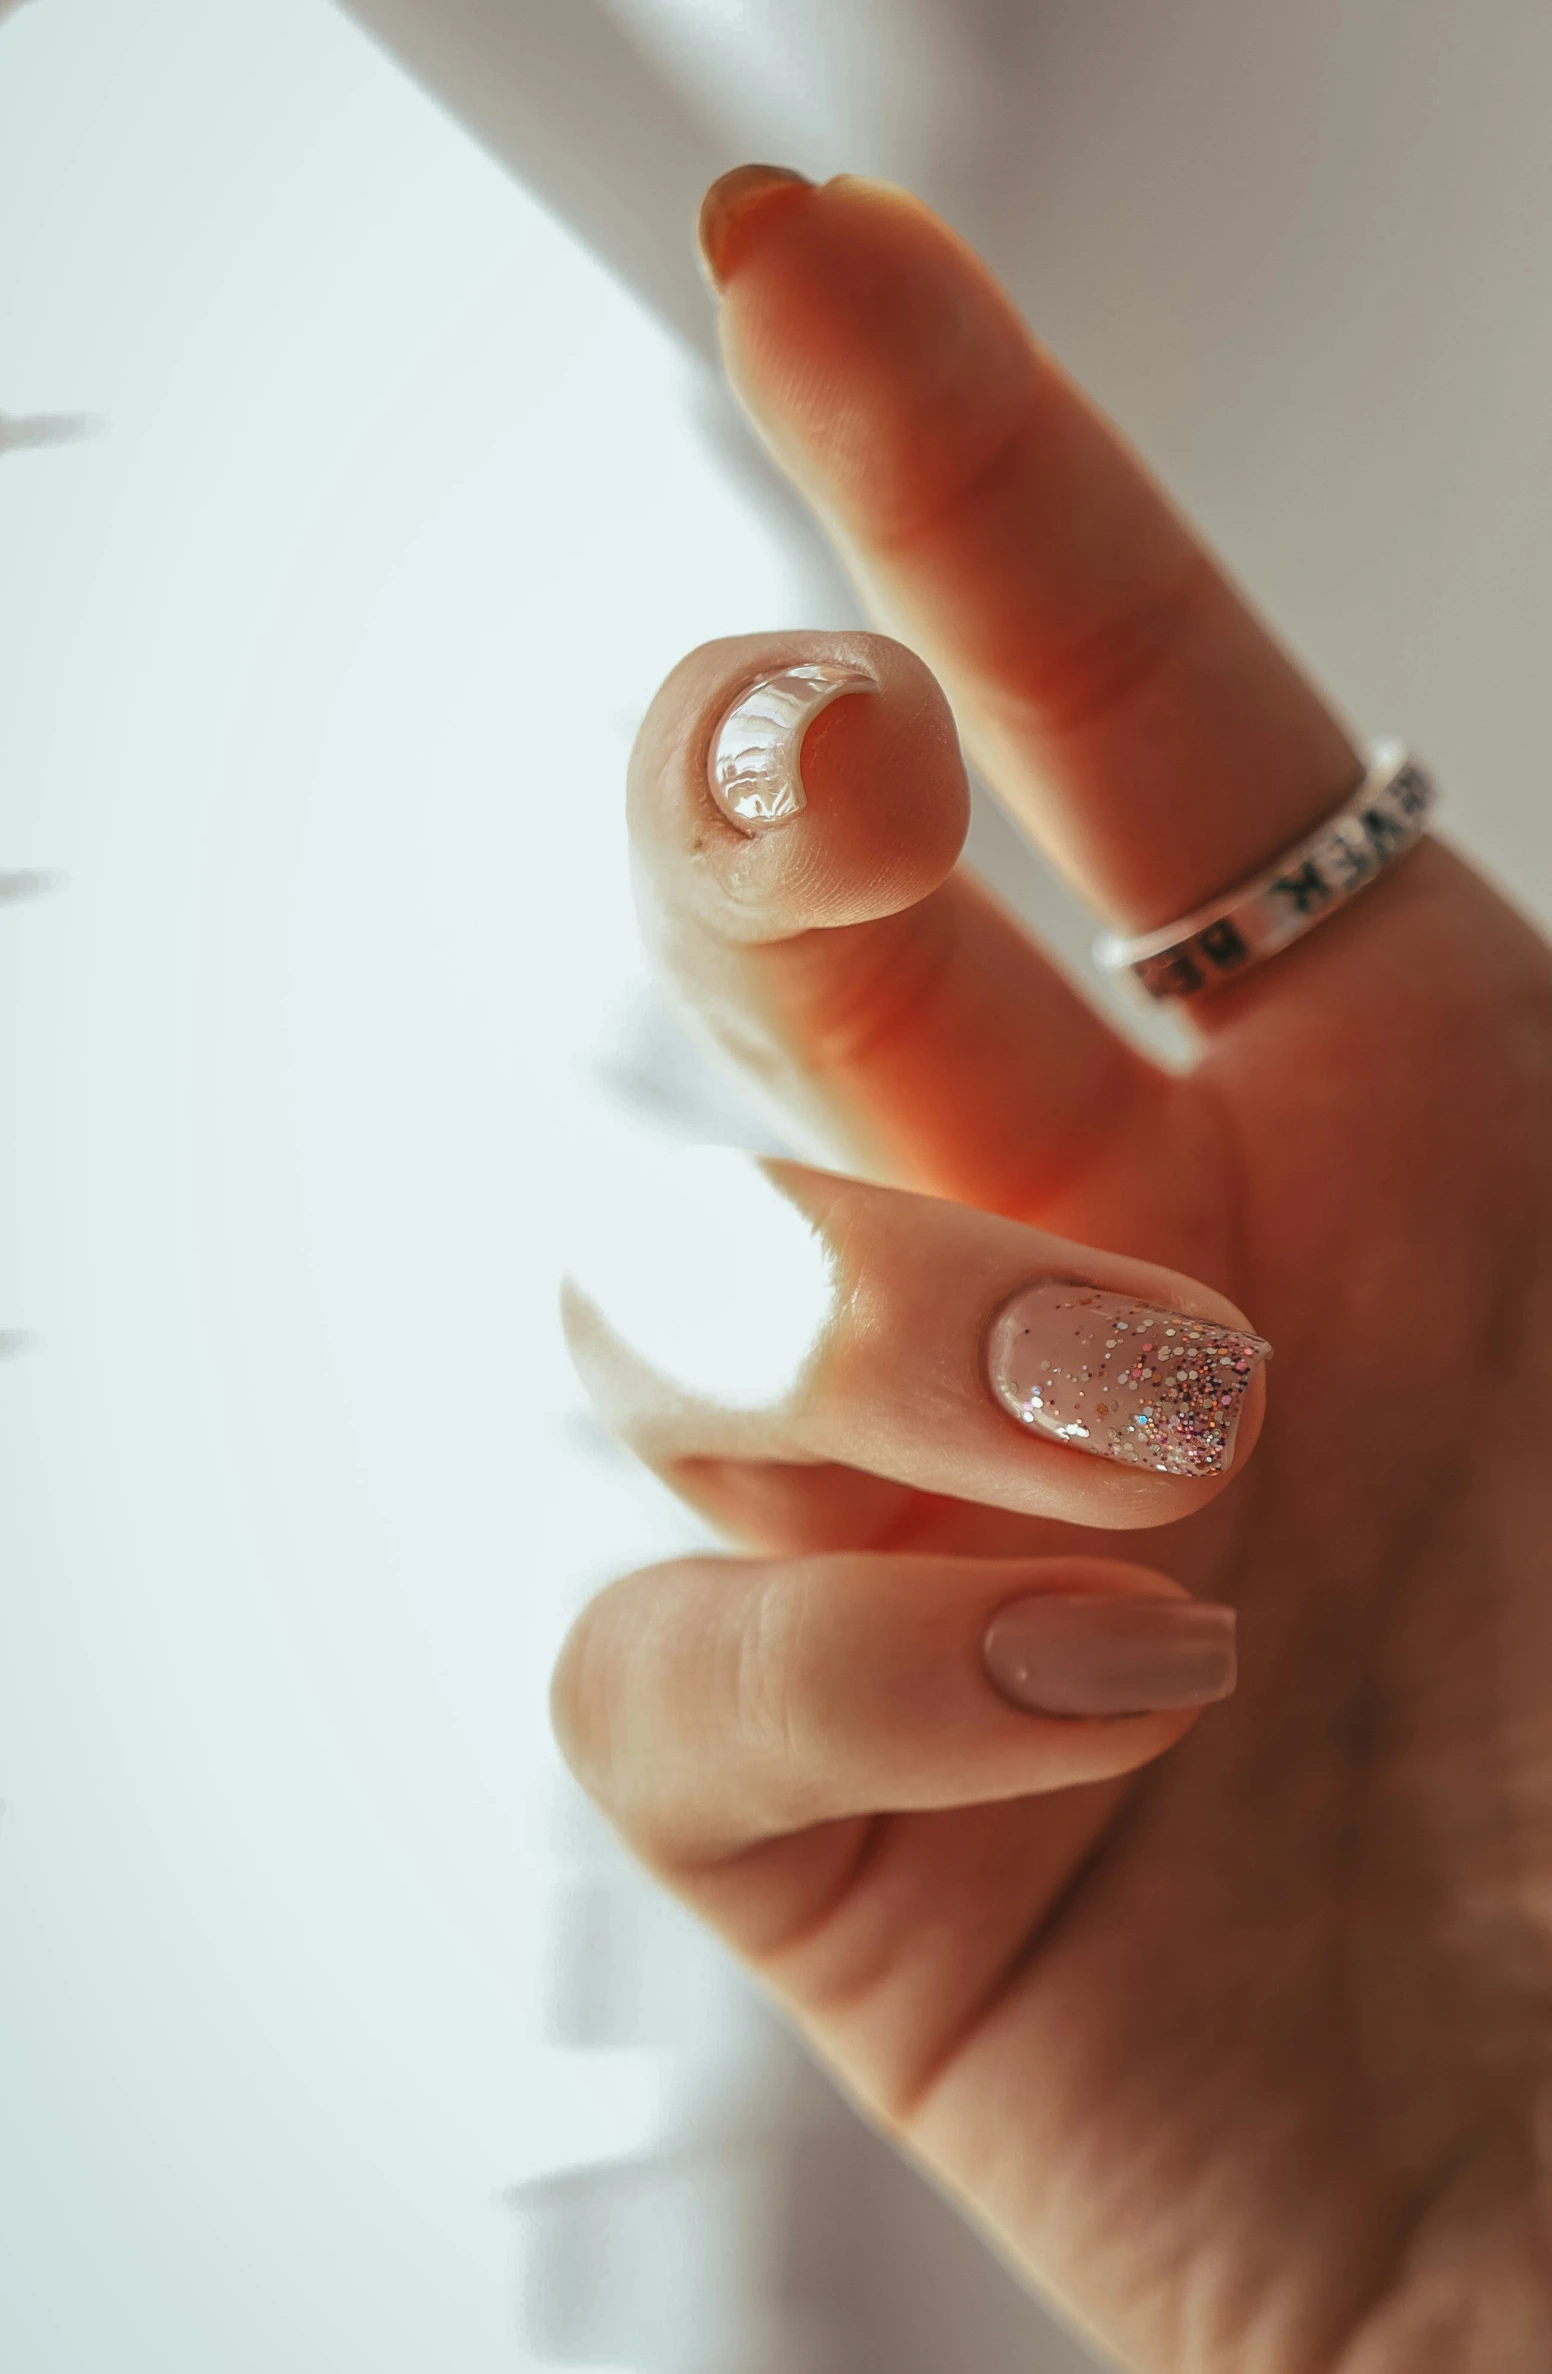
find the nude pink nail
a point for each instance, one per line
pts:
(1064, 1654)
(1121, 1379)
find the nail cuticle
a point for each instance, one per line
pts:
(1121, 1379)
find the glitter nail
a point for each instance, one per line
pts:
(1184, 1417)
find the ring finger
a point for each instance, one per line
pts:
(765, 1313)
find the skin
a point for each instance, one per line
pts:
(1234, 2030)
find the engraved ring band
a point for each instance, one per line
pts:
(1374, 826)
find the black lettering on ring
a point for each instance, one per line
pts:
(1170, 975)
(1222, 945)
(1307, 890)
(1386, 832)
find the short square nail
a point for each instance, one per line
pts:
(1121, 1379)
(755, 764)
(1065, 1654)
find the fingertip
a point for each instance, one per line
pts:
(880, 357)
(767, 807)
(734, 209)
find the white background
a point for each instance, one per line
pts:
(322, 652)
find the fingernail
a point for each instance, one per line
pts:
(1121, 1379)
(729, 209)
(755, 774)
(1067, 1655)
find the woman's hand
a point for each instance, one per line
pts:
(1242, 2048)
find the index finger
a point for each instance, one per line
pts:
(1116, 686)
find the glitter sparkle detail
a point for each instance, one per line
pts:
(1121, 1380)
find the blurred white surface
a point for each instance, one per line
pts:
(322, 658)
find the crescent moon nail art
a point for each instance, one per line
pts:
(754, 767)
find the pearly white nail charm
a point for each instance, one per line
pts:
(754, 767)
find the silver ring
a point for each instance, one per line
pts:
(1374, 826)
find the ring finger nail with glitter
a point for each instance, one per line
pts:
(1122, 1379)
(765, 1334)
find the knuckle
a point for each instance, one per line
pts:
(763, 1702)
(779, 1709)
(679, 1693)
(587, 1710)
(1092, 678)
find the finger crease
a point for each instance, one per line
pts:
(898, 534)
(817, 1918)
(884, 1001)
(906, 2102)
(1088, 679)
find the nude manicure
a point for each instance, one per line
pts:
(1064, 1654)
(754, 767)
(1121, 1379)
